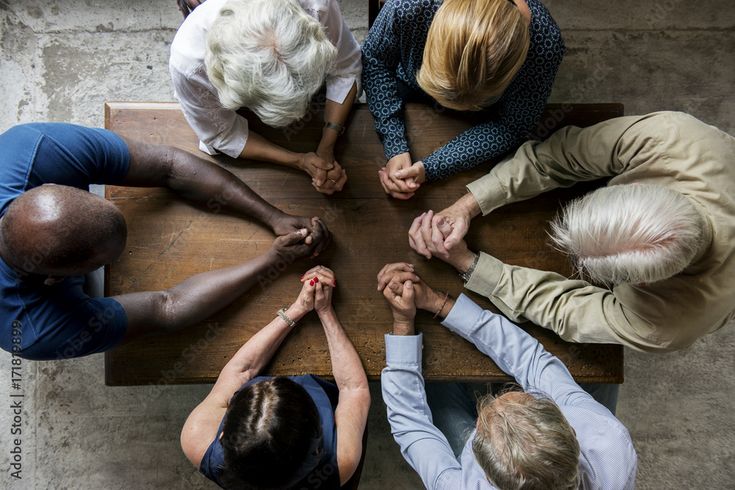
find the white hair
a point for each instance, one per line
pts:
(269, 56)
(633, 233)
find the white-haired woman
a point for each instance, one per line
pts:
(271, 57)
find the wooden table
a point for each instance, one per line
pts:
(170, 240)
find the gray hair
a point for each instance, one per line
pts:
(525, 443)
(632, 233)
(269, 56)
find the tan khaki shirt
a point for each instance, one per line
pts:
(666, 148)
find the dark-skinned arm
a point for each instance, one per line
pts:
(205, 182)
(203, 295)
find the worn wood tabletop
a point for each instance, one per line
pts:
(170, 239)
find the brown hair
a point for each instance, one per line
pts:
(525, 442)
(267, 431)
(473, 51)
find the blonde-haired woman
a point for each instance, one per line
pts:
(499, 57)
(271, 57)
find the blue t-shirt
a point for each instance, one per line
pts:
(61, 321)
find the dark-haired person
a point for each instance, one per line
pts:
(53, 232)
(550, 435)
(495, 57)
(259, 432)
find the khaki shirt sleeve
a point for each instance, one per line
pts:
(576, 310)
(570, 155)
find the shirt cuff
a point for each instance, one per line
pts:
(403, 350)
(432, 167)
(488, 192)
(395, 146)
(485, 277)
(463, 314)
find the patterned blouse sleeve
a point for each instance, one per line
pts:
(518, 111)
(380, 59)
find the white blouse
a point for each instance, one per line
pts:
(223, 130)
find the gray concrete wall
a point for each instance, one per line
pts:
(61, 59)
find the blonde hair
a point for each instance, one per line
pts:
(631, 233)
(525, 443)
(269, 56)
(473, 51)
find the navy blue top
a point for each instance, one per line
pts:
(391, 56)
(60, 321)
(326, 473)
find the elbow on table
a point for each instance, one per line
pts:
(164, 315)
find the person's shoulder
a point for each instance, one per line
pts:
(320, 5)
(607, 448)
(20, 144)
(412, 8)
(35, 129)
(189, 43)
(539, 11)
(545, 32)
(48, 128)
(681, 119)
(674, 129)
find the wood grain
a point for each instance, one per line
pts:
(170, 239)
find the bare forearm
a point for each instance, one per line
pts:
(259, 148)
(195, 179)
(346, 365)
(206, 182)
(200, 296)
(258, 351)
(336, 113)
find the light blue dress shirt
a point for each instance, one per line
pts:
(607, 461)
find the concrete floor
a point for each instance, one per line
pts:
(61, 59)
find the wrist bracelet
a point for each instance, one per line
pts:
(285, 318)
(334, 127)
(468, 273)
(444, 303)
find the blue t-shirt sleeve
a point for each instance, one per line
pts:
(96, 325)
(77, 156)
(65, 329)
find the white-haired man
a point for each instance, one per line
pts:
(551, 435)
(659, 238)
(270, 57)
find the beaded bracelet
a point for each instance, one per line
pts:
(285, 318)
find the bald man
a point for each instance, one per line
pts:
(53, 231)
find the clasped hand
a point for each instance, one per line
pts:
(442, 235)
(401, 178)
(300, 237)
(327, 175)
(405, 292)
(316, 291)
